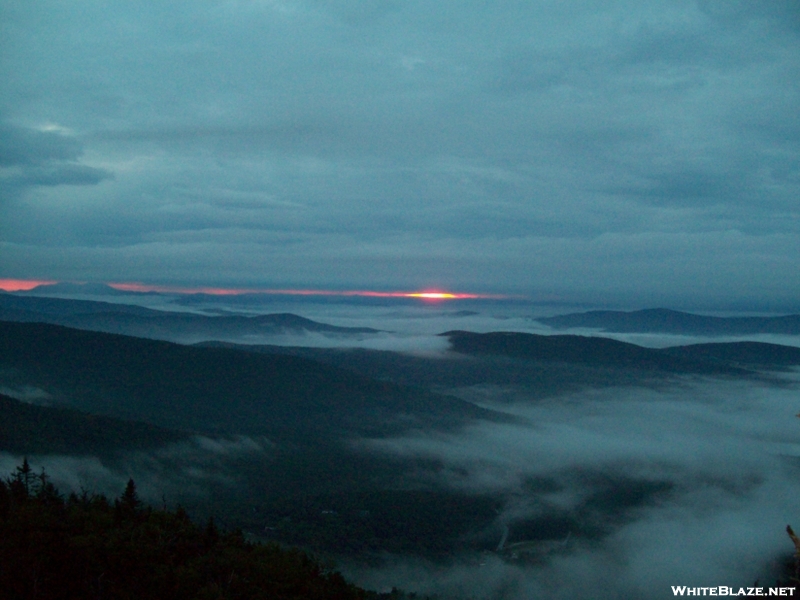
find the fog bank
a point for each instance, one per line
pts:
(620, 492)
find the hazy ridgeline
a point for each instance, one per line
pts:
(506, 466)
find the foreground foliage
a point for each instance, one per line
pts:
(85, 546)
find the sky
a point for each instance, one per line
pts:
(641, 152)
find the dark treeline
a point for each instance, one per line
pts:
(86, 546)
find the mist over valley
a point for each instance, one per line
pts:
(510, 461)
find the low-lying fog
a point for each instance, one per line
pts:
(175, 472)
(405, 325)
(614, 493)
(642, 489)
(414, 327)
(407, 328)
(634, 489)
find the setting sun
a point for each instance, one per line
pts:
(438, 295)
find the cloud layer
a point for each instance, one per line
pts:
(634, 151)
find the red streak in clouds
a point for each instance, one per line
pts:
(425, 295)
(20, 285)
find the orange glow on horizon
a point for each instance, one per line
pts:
(22, 285)
(213, 291)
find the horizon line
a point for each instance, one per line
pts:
(427, 294)
(16, 285)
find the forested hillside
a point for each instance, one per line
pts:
(87, 546)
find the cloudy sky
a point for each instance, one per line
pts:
(641, 151)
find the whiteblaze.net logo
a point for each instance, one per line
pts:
(723, 590)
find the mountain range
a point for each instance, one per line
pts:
(318, 417)
(214, 390)
(662, 320)
(144, 322)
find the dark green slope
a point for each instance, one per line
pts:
(31, 429)
(751, 354)
(216, 390)
(542, 378)
(545, 365)
(662, 320)
(595, 351)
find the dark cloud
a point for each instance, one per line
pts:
(20, 146)
(30, 158)
(781, 14)
(688, 187)
(64, 174)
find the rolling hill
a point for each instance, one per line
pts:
(215, 390)
(31, 429)
(592, 351)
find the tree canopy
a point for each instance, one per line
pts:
(85, 546)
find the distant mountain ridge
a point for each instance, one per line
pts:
(731, 358)
(663, 320)
(66, 287)
(592, 351)
(128, 319)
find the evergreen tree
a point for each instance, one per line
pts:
(5, 500)
(128, 505)
(23, 475)
(130, 499)
(46, 492)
